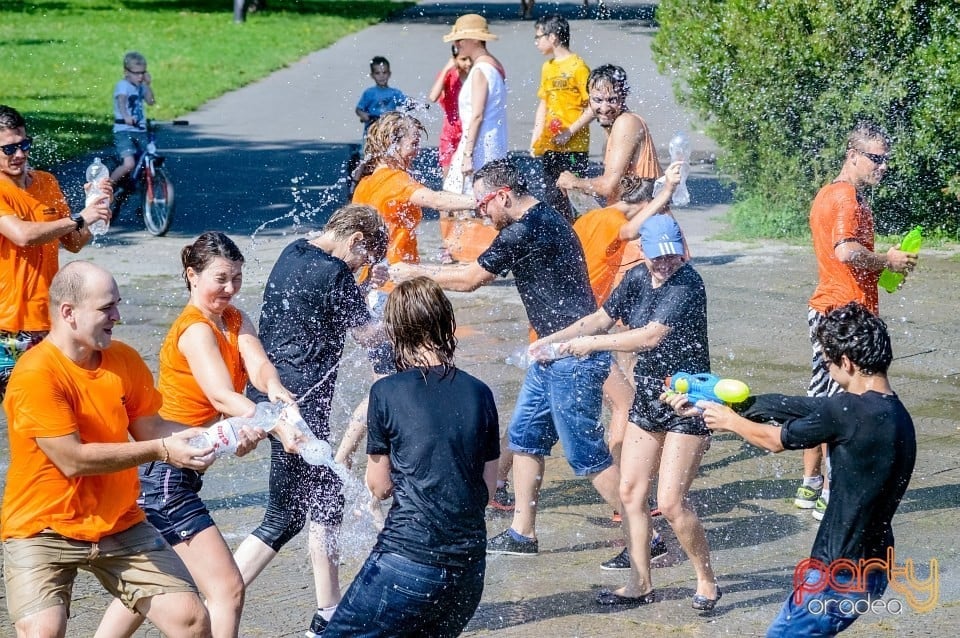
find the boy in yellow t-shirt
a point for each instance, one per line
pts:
(561, 128)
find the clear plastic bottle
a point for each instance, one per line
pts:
(96, 173)
(523, 359)
(222, 435)
(313, 450)
(680, 152)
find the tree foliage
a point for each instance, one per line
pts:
(779, 83)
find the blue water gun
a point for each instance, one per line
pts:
(707, 387)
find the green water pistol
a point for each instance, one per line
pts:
(890, 280)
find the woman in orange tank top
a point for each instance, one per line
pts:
(207, 358)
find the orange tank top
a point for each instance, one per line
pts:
(183, 399)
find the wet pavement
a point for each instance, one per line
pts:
(239, 164)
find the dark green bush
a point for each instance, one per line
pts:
(780, 83)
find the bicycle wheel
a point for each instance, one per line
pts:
(158, 201)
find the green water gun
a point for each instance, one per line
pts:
(890, 280)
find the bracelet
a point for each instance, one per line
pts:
(166, 453)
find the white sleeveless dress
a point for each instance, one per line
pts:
(491, 141)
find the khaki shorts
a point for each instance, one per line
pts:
(132, 565)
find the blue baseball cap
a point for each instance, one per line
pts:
(660, 235)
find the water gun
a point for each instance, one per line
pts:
(707, 387)
(890, 280)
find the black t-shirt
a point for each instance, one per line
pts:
(439, 431)
(310, 301)
(679, 303)
(872, 446)
(549, 267)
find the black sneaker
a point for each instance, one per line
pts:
(505, 543)
(317, 626)
(620, 561)
(658, 549)
(501, 500)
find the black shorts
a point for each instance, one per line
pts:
(652, 415)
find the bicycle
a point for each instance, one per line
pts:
(150, 182)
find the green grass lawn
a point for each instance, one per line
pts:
(61, 58)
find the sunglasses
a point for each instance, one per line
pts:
(486, 199)
(132, 72)
(24, 145)
(873, 157)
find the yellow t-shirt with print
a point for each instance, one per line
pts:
(563, 88)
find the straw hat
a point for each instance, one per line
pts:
(470, 27)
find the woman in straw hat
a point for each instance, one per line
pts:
(482, 103)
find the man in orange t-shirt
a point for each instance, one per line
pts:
(73, 403)
(35, 221)
(841, 224)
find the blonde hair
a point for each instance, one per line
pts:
(383, 141)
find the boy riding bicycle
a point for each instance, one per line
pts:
(129, 118)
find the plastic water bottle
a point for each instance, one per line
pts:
(680, 152)
(376, 302)
(523, 359)
(222, 436)
(890, 280)
(96, 173)
(313, 450)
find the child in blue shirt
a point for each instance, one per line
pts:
(380, 98)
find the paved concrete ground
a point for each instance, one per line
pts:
(253, 156)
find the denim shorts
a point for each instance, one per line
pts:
(170, 496)
(395, 596)
(562, 400)
(824, 613)
(129, 143)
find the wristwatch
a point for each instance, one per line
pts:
(78, 220)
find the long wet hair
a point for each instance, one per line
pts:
(205, 249)
(383, 142)
(420, 320)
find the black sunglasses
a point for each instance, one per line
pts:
(875, 158)
(24, 145)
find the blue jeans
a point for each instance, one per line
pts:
(562, 400)
(827, 612)
(395, 596)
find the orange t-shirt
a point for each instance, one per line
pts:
(836, 217)
(183, 399)
(599, 234)
(27, 270)
(51, 396)
(389, 191)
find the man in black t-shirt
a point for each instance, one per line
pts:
(560, 400)
(310, 303)
(872, 447)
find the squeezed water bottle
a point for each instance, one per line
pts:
(523, 359)
(680, 152)
(96, 173)
(222, 436)
(313, 450)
